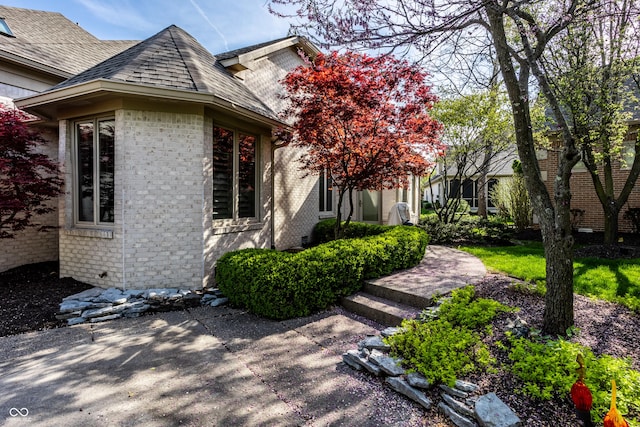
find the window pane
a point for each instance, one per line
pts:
(106, 165)
(222, 173)
(321, 190)
(329, 193)
(468, 192)
(84, 135)
(247, 176)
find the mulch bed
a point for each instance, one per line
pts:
(30, 295)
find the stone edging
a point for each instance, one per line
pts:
(460, 404)
(97, 304)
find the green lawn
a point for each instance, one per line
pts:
(611, 280)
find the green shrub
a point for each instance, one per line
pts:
(450, 346)
(548, 370)
(324, 230)
(469, 229)
(282, 285)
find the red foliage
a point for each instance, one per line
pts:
(27, 178)
(364, 119)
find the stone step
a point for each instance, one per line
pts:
(397, 295)
(381, 310)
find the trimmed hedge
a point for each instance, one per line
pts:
(282, 285)
(324, 230)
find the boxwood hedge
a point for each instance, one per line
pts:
(282, 285)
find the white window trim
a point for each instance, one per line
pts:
(235, 224)
(326, 212)
(75, 175)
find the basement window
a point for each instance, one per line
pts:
(4, 29)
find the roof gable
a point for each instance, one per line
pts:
(242, 59)
(173, 59)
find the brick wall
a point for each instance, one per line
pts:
(158, 207)
(296, 198)
(583, 195)
(30, 246)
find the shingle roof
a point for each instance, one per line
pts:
(50, 39)
(236, 52)
(173, 59)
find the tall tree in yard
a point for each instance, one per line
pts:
(595, 67)
(520, 32)
(28, 179)
(364, 120)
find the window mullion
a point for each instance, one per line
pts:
(96, 172)
(236, 175)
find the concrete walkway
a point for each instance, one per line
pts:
(213, 367)
(442, 270)
(198, 367)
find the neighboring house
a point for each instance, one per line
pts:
(170, 161)
(447, 179)
(587, 210)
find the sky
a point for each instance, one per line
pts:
(219, 25)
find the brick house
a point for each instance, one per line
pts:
(588, 210)
(169, 162)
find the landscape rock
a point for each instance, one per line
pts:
(373, 342)
(418, 380)
(352, 359)
(96, 304)
(103, 318)
(402, 387)
(391, 330)
(218, 301)
(453, 391)
(466, 386)
(389, 365)
(492, 412)
(456, 418)
(458, 406)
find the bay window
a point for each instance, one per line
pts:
(94, 172)
(234, 174)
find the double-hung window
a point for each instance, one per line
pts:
(234, 174)
(94, 172)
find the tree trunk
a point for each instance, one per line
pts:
(555, 219)
(482, 200)
(558, 301)
(611, 216)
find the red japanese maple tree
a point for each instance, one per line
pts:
(28, 179)
(364, 120)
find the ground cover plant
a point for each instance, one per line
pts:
(616, 280)
(547, 369)
(448, 347)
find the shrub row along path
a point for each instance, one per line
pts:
(203, 366)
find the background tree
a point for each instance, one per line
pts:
(594, 69)
(512, 200)
(478, 132)
(364, 120)
(28, 179)
(519, 32)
